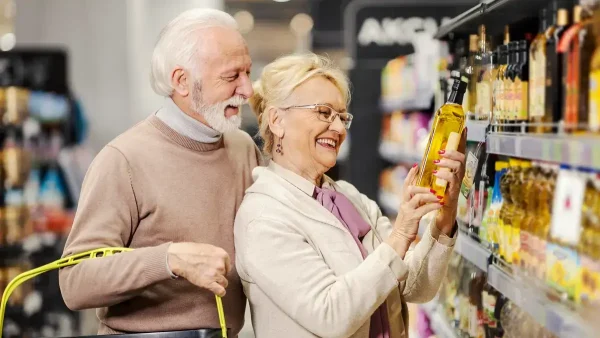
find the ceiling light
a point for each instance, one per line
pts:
(301, 24)
(7, 42)
(245, 21)
(281, 0)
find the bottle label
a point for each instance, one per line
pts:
(508, 99)
(563, 269)
(470, 170)
(500, 100)
(497, 99)
(541, 267)
(594, 98)
(538, 86)
(524, 101)
(484, 99)
(473, 320)
(590, 280)
(525, 245)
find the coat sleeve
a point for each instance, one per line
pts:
(427, 261)
(280, 261)
(107, 217)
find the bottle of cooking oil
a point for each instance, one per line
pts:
(445, 134)
(528, 242)
(542, 223)
(506, 211)
(519, 192)
(585, 285)
(594, 85)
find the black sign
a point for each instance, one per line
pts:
(376, 30)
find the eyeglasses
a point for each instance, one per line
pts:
(326, 113)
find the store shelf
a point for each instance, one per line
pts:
(393, 152)
(476, 130)
(578, 151)
(493, 13)
(472, 251)
(555, 317)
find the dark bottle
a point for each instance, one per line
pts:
(509, 85)
(521, 85)
(554, 62)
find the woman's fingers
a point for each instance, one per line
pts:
(446, 175)
(423, 198)
(412, 173)
(453, 165)
(427, 208)
(454, 155)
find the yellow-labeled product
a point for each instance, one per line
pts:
(446, 130)
(528, 241)
(506, 213)
(537, 76)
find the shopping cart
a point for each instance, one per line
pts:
(96, 254)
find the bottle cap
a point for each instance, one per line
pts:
(523, 45)
(455, 74)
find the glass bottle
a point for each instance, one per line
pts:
(509, 88)
(587, 44)
(554, 89)
(594, 85)
(445, 134)
(483, 106)
(521, 86)
(499, 84)
(472, 69)
(569, 46)
(537, 77)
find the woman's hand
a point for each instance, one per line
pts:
(415, 203)
(455, 162)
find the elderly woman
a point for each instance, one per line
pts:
(316, 257)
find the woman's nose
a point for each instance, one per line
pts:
(337, 125)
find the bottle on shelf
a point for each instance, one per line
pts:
(587, 44)
(499, 86)
(495, 62)
(537, 77)
(509, 88)
(446, 130)
(473, 71)
(594, 84)
(506, 211)
(554, 62)
(569, 46)
(521, 86)
(483, 106)
(528, 254)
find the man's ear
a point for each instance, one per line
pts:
(276, 121)
(180, 81)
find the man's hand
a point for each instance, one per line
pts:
(203, 265)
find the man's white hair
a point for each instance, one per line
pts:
(179, 42)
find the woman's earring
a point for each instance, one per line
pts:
(279, 149)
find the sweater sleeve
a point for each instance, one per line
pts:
(107, 216)
(427, 261)
(295, 277)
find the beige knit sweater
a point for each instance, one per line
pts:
(149, 187)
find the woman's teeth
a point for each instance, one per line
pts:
(327, 142)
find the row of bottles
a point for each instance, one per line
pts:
(546, 79)
(476, 310)
(544, 220)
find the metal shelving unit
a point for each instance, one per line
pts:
(577, 151)
(494, 13)
(477, 130)
(472, 251)
(560, 320)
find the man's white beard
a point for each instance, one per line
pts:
(215, 114)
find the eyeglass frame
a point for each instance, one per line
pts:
(335, 112)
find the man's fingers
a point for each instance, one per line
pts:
(217, 289)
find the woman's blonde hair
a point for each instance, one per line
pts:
(281, 77)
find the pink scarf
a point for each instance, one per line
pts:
(345, 212)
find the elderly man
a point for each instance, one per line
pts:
(170, 188)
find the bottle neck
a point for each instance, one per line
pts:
(456, 96)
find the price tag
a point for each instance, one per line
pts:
(567, 205)
(595, 157)
(557, 151)
(546, 150)
(575, 149)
